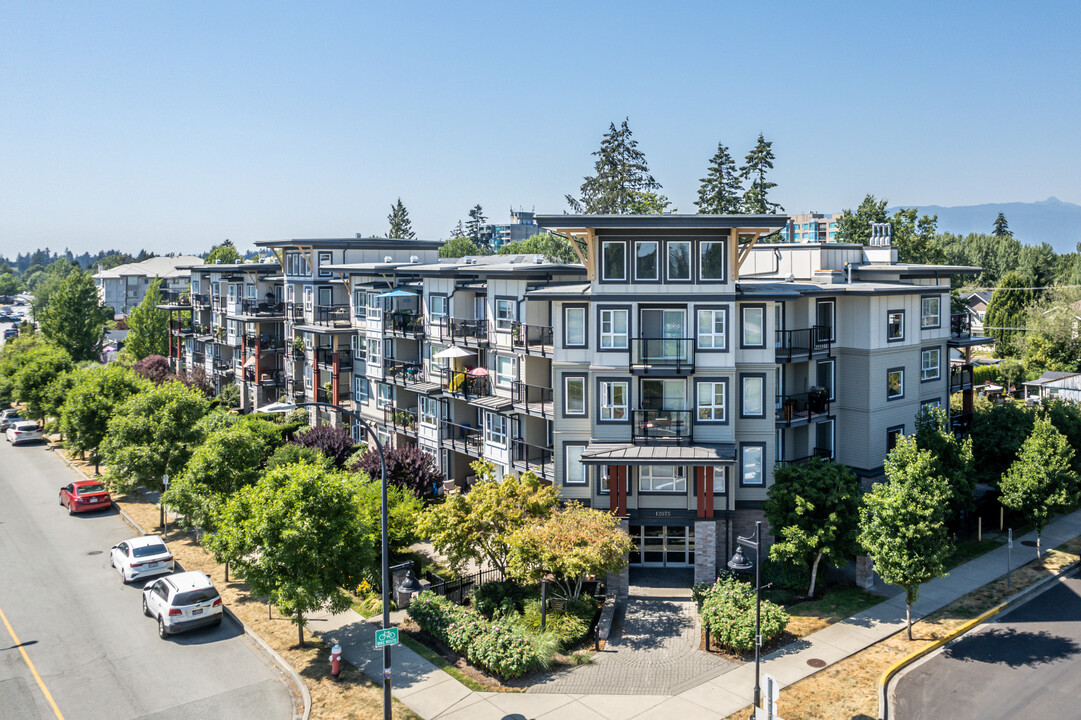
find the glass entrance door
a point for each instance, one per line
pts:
(662, 546)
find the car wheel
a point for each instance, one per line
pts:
(162, 632)
(217, 623)
(70, 510)
(146, 609)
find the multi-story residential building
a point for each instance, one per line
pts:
(124, 286)
(810, 228)
(522, 226)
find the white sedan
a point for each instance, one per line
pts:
(140, 557)
(24, 431)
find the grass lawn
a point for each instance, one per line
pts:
(836, 604)
(971, 549)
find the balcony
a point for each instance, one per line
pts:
(461, 331)
(961, 423)
(410, 325)
(401, 420)
(802, 345)
(960, 325)
(532, 399)
(402, 372)
(267, 343)
(325, 357)
(463, 384)
(223, 368)
(960, 379)
(294, 313)
(326, 395)
(269, 379)
(662, 356)
(200, 300)
(821, 453)
(532, 339)
(801, 408)
(198, 358)
(534, 458)
(335, 316)
(251, 306)
(661, 427)
(175, 298)
(463, 438)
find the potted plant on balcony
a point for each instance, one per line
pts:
(297, 346)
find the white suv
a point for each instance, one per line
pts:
(24, 431)
(180, 602)
(141, 556)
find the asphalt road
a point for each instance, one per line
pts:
(85, 632)
(1025, 665)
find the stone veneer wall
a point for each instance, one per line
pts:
(705, 550)
(619, 583)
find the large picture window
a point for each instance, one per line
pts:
(679, 260)
(711, 401)
(574, 327)
(662, 478)
(752, 465)
(754, 327)
(613, 400)
(645, 260)
(495, 428)
(574, 472)
(713, 329)
(614, 329)
(613, 261)
(712, 260)
(753, 396)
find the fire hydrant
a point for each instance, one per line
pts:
(336, 661)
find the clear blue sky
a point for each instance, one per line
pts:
(172, 126)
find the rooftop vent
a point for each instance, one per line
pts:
(414, 259)
(538, 259)
(881, 234)
(387, 258)
(359, 236)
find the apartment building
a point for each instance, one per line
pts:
(124, 286)
(522, 226)
(811, 228)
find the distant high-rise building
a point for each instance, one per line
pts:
(521, 227)
(811, 227)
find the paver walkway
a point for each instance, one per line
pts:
(432, 693)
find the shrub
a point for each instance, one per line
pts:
(408, 467)
(503, 649)
(500, 598)
(334, 442)
(434, 614)
(728, 612)
(289, 453)
(155, 368)
(570, 627)
(464, 628)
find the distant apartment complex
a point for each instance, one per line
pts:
(521, 227)
(661, 378)
(811, 228)
(124, 286)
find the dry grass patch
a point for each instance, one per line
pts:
(849, 689)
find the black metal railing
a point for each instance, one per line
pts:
(252, 306)
(267, 343)
(531, 397)
(222, 368)
(200, 300)
(662, 426)
(668, 353)
(961, 325)
(405, 372)
(401, 419)
(294, 312)
(539, 338)
(175, 297)
(198, 358)
(797, 344)
(325, 357)
(961, 380)
(466, 438)
(802, 407)
(332, 315)
(460, 330)
(462, 382)
(458, 591)
(961, 423)
(404, 323)
(821, 453)
(539, 460)
(327, 396)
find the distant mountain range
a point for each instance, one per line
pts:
(1052, 221)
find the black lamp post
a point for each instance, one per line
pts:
(286, 407)
(740, 563)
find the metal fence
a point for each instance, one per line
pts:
(457, 591)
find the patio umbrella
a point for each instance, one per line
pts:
(453, 352)
(399, 293)
(478, 372)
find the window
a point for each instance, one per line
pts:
(930, 314)
(360, 308)
(362, 389)
(895, 325)
(712, 260)
(645, 260)
(824, 319)
(824, 439)
(574, 395)
(574, 472)
(326, 296)
(711, 401)
(754, 326)
(324, 258)
(504, 314)
(679, 261)
(751, 464)
(753, 396)
(375, 351)
(713, 329)
(429, 410)
(574, 330)
(934, 403)
(436, 363)
(613, 400)
(929, 364)
(383, 396)
(437, 306)
(720, 479)
(824, 377)
(613, 261)
(895, 383)
(614, 329)
(504, 370)
(894, 434)
(375, 306)
(664, 395)
(662, 478)
(495, 428)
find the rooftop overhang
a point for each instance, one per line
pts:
(763, 224)
(628, 454)
(358, 243)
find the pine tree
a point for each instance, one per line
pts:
(721, 190)
(458, 231)
(621, 183)
(1002, 228)
(400, 225)
(758, 161)
(73, 318)
(476, 221)
(1007, 312)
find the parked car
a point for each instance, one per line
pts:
(183, 601)
(23, 432)
(9, 418)
(84, 495)
(141, 556)
(11, 333)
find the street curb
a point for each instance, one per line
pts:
(277, 660)
(896, 668)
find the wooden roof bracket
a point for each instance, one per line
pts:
(745, 250)
(586, 237)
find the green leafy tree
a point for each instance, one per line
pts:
(55, 395)
(951, 455)
(298, 538)
(91, 402)
(46, 283)
(478, 526)
(14, 354)
(621, 175)
(225, 253)
(1008, 311)
(998, 431)
(1012, 373)
(458, 231)
(148, 326)
(813, 509)
(73, 318)
(1039, 264)
(555, 247)
(854, 226)
(153, 433)
(475, 223)
(914, 237)
(721, 192)
(460, 247)
(1042, 481)
(44, 364)
(1001, 228)
(647, 202)
(403, 509)
(289, 453)
(758, 162)
(903, 523)
(10, 285)
(400, 225)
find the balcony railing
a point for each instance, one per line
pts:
(198, 358)
(325, 357)
(673, 354)
(460, 382)
(402, 372)
(961, 423)
(200, 300)
(539, 460)
(802, 344)
(532, 338)
(332, 315)
(822, 453)
(800, 408)
(251, 306)
(531, 398)
(960, 379)
(327, 396)
(673, 427)
(961, 325)
(402, 323)
(460, 330)
(400, 419)
(267, 343)
(175, 297)
(294, 312)
(271, 378)
(222, 368)
(464, 438)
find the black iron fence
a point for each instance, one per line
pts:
(458, 591)
(531, 337)
(796, 344)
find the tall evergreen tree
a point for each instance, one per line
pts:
(721, 191)
(148, 325)
(1002, 228)
(400, 225)
(1007, 312)
(476, 221)
(73, 319)
(458, 231)
(758, 161)
(621, 182)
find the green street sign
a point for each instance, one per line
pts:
(386, 637)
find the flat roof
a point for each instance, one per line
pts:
(355, 243)
(234, 267)
(916, 268)
(628, 454)
(766, 223)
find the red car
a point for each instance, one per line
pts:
(84, 495)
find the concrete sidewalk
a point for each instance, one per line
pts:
(432, 693)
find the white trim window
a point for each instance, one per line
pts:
(505, 314)
(931, 312)
(575, 320)
(711, 260)
(574, 395)
(930, 365)
(375, 306)
(360, 305)
(753, 396)
(375, 351)
(613, 400)
(495, 428)
(895, 384)
(505, 370)
(361, 389)
(720, 479)
(895, 325)
(614, 329)
(662, 479)
(437, 306)
(384, 395)
(613, 260)
(359, 345)
(711, 401)
(309, 298)
(712, 329)
(429, 411)
(574, 471)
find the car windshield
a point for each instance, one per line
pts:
(148, 550)
(194, 596)
(88, 489)
(26, 427)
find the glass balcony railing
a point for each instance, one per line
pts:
(662, 426)
(668, 353)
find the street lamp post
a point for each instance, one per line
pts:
(740, 563)
(286, 407)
